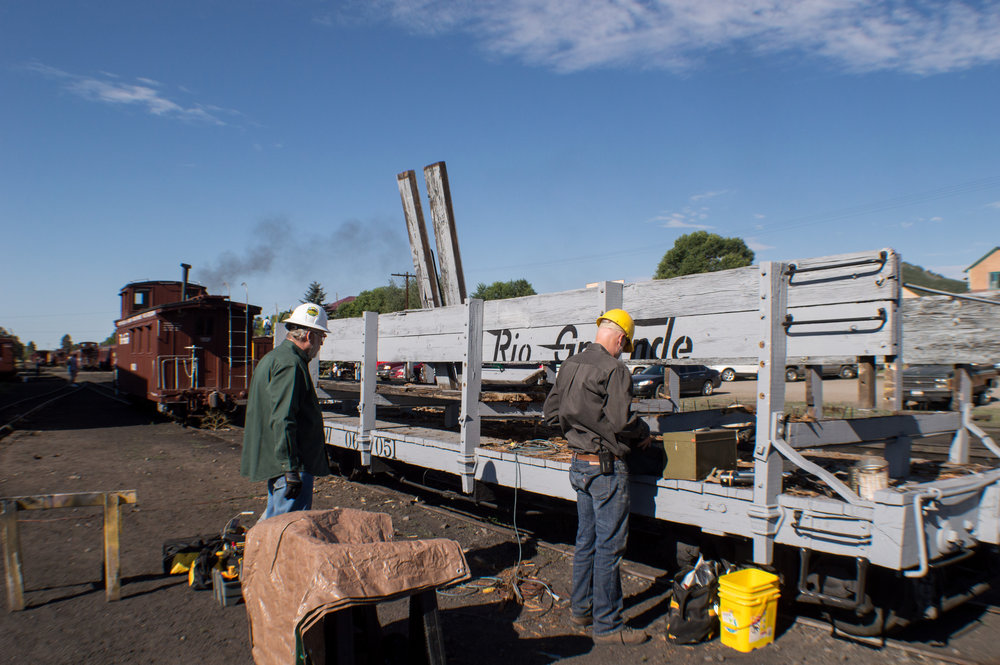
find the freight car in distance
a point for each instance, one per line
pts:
(183, 349)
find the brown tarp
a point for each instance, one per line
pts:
(300, 566)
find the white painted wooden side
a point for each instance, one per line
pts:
(943, 330)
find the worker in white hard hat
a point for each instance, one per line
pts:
(590, 403)
(283, 440)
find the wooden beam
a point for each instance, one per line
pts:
(772, 348)
(420, 248)
(866, 382)
(112, 561)
(12, 556)
(443, 216)
(814, 391)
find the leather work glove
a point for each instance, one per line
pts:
(293, 484)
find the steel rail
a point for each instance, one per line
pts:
(884, 642)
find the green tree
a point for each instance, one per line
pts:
(66, 343)
(383, 299)
(111, 339)
(922, 277)
(315, 294)
(515, 288)
(30, 350)
(702, 251)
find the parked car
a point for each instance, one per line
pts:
(932, 386)
(696, 379)
(733, 372)
(396, 371)
(841, 371)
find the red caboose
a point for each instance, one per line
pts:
(182, 348)
(8, 363)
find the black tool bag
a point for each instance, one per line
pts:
(693, 609)
(179, 554)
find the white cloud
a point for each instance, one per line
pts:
(995, 204)
(146, 93)
(757, 245)
(912, 36)
(708, 195)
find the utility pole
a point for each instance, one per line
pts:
(407, 277)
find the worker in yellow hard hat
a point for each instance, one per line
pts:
(590, 402)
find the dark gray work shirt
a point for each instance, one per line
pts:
(590, 402)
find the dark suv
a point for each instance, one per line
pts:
(696, 379)
(931, 386)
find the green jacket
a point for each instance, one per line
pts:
(284, 424)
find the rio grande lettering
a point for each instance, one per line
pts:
(507, 348)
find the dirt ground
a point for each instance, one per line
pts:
(188, 483)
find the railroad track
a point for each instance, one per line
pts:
(13, 412)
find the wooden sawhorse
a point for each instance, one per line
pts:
(112, 502)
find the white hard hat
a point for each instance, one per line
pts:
(309, 315)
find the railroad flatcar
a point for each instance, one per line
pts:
(182, 348)
(8, 366)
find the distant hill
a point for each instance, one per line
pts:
(916, 275)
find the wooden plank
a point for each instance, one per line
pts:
(688, 318)
(866, 382)
(423, 263)
(369, 379)
(12, 555)
(735, 290)
(861, 430)
(814, 392)
(472, 369)
(112, 562)
(962, 398)
(942, 330)
(771, 345)
(443, 217)
(70, 500)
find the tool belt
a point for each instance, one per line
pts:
(605, 458)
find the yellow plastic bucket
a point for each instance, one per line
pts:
(748, 606)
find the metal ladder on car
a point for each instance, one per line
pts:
(238, 345)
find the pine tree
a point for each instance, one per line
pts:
(315, 294)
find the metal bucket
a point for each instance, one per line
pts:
(869, 475)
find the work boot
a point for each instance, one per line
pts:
(623, 636)
(581, 620)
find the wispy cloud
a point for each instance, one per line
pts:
(757, 245)
(912, 36)
(690, 216)
(709, 195)
(995, 204)
(145, 93)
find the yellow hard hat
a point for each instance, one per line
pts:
(624, 321)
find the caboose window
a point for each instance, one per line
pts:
(140, 300)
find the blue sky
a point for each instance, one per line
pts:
(259, 140)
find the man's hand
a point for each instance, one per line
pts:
(293, 484)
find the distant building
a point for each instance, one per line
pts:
(331, 307)
(984, 274)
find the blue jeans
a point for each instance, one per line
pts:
(602, 508)
(277, 504)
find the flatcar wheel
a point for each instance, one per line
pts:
(874, 624)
